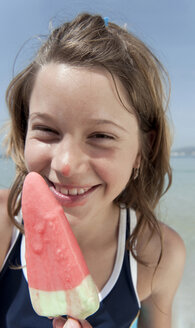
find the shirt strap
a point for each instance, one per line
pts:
(132, 260)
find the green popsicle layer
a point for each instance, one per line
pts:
(79, 302)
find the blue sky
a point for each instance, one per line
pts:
(167, 26)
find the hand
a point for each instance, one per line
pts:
(70, 323)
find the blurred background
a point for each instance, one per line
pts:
(168, 28)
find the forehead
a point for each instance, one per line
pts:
(82, 90)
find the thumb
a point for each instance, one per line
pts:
(72, 323)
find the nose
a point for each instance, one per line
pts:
(68, 158)
(66, 169)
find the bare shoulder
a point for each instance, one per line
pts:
(173, 259)
(168, 273)
(5, 225)
(158, 282)
(174, 247)
(4, 193)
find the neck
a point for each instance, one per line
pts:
(99, 230)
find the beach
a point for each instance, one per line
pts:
(177, 209)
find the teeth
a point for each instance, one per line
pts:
(81, 191)
(72, 191)
(63, 191)
(57, 188)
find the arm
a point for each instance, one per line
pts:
(157, 308)
(5, 226)
(63, 323)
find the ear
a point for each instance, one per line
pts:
(137, 161)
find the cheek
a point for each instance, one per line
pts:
(116, 172)
(36, 156)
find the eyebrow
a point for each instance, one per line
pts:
(41, 115)
(95, 121)
(99, 121)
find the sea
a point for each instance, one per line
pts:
(177, 209)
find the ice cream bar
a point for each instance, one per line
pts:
(58, 277)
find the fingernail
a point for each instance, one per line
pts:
(68, 324)
(71, 323)
(58, 323)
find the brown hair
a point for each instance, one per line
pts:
(87, 42)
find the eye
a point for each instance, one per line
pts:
(44, 133)
(100, 136)
(101, 139)
(44, 129)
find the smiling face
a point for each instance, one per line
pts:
(80, 137)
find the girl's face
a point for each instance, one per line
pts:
(80, 138)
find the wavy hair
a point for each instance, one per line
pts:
(87, 42)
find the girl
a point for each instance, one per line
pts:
(88, 114)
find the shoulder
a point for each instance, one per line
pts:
(149, 245)
(4, 193)
(174, 247)
(5, 225)
(158, 282)
(171, 266)
(168, 269)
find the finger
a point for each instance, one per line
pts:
(59, 322)
(72, 323)
(85, 324)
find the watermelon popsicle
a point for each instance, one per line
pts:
(58, 278)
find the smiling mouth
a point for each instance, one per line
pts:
(72, 191)
(67, 195)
